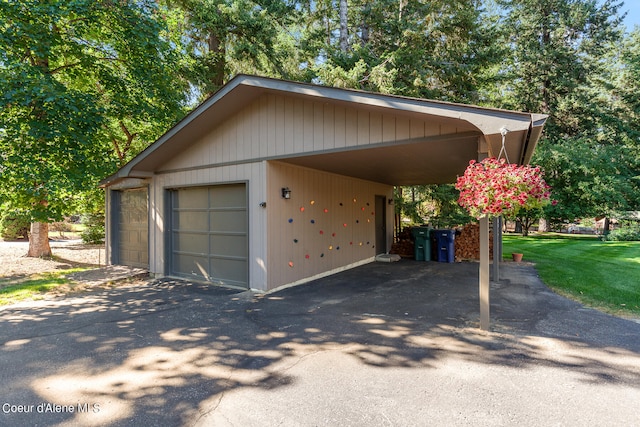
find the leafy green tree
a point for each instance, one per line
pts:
(433, 204)
(71, 73)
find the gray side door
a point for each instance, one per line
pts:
(209, 234)
(132, 228)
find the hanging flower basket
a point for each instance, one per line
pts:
(494, 187)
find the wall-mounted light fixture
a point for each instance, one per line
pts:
(286, 193)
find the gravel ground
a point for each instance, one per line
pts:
(66, 254)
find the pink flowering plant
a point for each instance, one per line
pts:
(494, 187)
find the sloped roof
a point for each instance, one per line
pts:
(437, 161)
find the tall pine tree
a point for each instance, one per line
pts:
(557, 52)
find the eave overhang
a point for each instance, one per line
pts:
(401, 159)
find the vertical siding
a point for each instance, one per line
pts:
(402, 128)
(363, 128)
(276, 125)
(307, 127)
(416, 128)
(328, 223)
(388, 128)
(317, 127)
(280, 126)
(339, 127)
(289, 126)
(375, 128)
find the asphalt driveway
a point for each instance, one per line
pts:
(383, 344)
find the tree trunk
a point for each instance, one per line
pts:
(543, 225)
(518, 227)
(39, 240)
(364, 26)
(398, 212)
(402, 4)
(607, 226)
(344, 28)
(217, 50)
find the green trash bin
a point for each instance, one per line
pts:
(422, 243)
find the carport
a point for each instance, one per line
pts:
(322, 145)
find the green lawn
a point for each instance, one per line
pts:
(34, 287)
(604, 275)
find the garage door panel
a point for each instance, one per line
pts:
(230, 271)
(232, 220)
(192, 198)
(132, 228)
(234, 246)
(133, 257)
(191, 221)
(133, 239)
(209, 240)
(227, 196)
(191, 265)
(191, 242)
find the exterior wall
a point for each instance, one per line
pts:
(251, 173)
(327, 225)
(277, 126)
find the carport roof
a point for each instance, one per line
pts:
(429, 160)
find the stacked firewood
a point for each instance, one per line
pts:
(468, 243)
(405, 245)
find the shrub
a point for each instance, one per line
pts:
(14, 226)
(61, 227)
(625, 234)
(94, 231)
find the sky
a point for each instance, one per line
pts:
(632, 7)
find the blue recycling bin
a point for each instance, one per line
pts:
(445, 245)
(422, 243)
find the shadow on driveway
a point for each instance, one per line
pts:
(382, 344)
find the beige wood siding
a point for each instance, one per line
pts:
(328, 224)
(277, 126)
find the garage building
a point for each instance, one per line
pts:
(270, 183)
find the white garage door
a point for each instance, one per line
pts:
(209, 238)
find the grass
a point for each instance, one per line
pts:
(34, 287)
(603, 275)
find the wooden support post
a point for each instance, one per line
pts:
(484, 273)
(497, 248)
